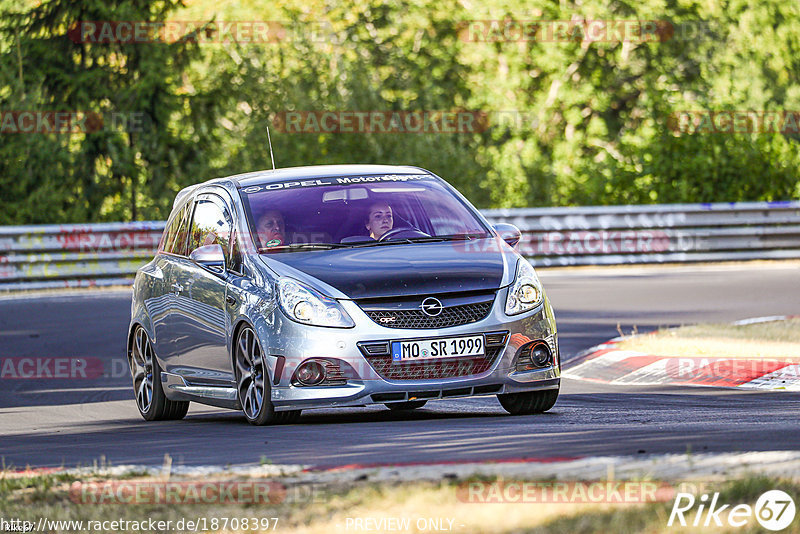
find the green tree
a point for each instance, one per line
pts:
(150, 138)
(572, 121)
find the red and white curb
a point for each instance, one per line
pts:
(607, 364)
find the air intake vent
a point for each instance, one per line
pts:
(376, 348)
(496, 338)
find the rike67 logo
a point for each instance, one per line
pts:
(774, 510)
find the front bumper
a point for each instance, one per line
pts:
(289, 344)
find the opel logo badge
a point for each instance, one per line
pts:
(431, 306)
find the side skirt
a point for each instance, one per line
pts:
(176, 388)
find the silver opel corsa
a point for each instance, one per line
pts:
(346, 285)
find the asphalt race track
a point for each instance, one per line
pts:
(54, 422)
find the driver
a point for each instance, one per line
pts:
(271, 229)
(379, 219)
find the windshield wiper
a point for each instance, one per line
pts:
(412, 240)
(439, 238)
(303, 246)
(363, 244)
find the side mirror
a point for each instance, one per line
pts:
(211, 257)
(508, 233)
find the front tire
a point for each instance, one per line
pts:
(252, 382)
(146, 373)
(528, 403)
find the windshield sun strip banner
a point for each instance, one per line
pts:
(334, 180)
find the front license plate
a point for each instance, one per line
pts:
(431, 349)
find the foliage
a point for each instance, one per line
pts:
(143, 134)
(570, 122)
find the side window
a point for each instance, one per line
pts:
(179, 246)
(175, 233)
(209, 226)
(169, 229)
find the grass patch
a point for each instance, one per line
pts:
(34, 487)
(774, 339)
(335, 507)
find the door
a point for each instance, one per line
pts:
(201, 319)
(161, 301)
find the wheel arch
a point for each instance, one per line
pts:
(238, 325)
(131, 330)
(141, 320)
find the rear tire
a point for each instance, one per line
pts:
(405, 406)
(530, 402)
(153, 405)
(252, 382)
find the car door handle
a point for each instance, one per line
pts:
(177, 287)
(230, 300)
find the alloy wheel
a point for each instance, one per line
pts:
(142, 370)
(250, 373)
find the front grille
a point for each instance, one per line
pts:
(450, 316)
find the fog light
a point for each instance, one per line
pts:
(540, 355)
(310, 373)
(534, 355)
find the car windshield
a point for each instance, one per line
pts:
(356, 211)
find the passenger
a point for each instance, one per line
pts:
(379, 219)
(271, 229)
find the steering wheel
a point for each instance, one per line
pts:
(396, 231)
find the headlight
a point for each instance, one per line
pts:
(526, 291)
(308, 306)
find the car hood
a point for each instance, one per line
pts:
(402, 269)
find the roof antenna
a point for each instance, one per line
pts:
(269, 140)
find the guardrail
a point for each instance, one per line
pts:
(608, 235)
(82, 255)
(75, 255)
